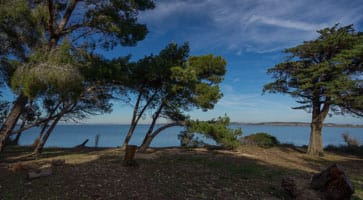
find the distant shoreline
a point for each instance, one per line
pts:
(247, 124)
(296, 124)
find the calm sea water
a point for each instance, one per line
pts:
(113, 135)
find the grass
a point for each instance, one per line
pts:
(169, 173)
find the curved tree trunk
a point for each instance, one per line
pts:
(40, 136)
(17, 138)
(149, 137)
(12, 119)
(136, 116)
(128, 136)
(38, 149)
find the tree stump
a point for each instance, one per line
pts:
(129, 156)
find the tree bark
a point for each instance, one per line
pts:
(315, 147)
(136, 116)
(149, 137)
(12, 119)
(39, 148)
(146, 143)
(129, 135)
(17, 138)
(41, 133)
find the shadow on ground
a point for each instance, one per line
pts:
(169, 173)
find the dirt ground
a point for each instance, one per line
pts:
(168, 173)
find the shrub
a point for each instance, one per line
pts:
(218, 130)
(261, 139)
(353, 150)
(350, 141)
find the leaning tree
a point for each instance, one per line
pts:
(325, 76)
(28, 27)
(170, 84)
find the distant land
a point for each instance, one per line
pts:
(295, 124)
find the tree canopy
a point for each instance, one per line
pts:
(324, 75)
(48, 44)
(172, 83)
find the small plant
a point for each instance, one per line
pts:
(350, 141)
(261, 139)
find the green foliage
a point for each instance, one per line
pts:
(350, 141)
(216, 129)
(261, 139)
(49, 72)
(353, 150)
(325, 71)
(188, 139)
(18, 30)
(176, 82)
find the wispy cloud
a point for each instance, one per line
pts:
(249, 25)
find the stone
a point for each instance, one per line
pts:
(333, 182)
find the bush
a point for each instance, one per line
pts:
(218, 130)
(353, 150)
(350, 141)
(351, 146)
(261, 139)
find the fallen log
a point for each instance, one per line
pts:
(82, 145)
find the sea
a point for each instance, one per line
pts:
(113, 135)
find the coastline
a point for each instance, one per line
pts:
(296, 124)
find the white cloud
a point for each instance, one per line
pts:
(249, 25)
(286, 23)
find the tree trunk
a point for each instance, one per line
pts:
(17, 138)
(149, 137)
(41, 133)
(315, 147)
(128, 136)
(38, 149)
(12, 119)
(136, 116)
(316, 142)
(146, 142)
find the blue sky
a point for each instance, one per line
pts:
(250, 35)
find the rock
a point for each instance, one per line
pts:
(333, 182)
(39, 173)
(288, 185)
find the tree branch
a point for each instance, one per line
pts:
(66, 16)
(157, 131)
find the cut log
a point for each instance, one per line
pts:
(129, 156)
(39, 173)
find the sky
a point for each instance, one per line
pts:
(250, 35)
